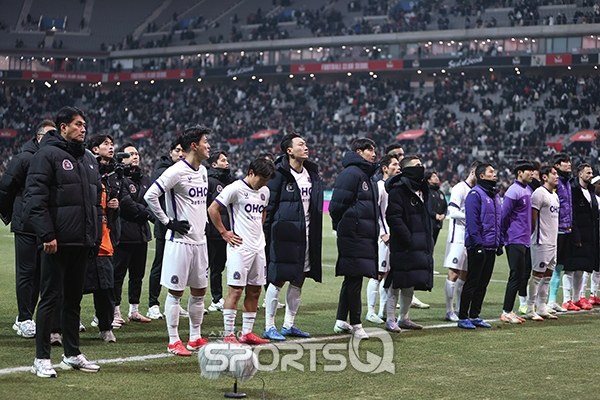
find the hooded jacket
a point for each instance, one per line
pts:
(12, 185)
(411, 235)
(285, 226)
(353, 212)
(62, 193)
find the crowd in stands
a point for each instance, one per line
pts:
(458, 116)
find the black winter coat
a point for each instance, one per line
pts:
(218, 178)
(353, 211)
(134, 219)
(12, 185)
(411, 240)
(62, 193)
(161, 165)
(585, 231)
(285, 226)
(436, 205)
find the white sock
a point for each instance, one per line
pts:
(522, 301)
(567, 285)
(406, 297)
(372, 289)
(229, 320)
(248, 321)
(133, 308)
(584, 282)
(292, 300)
(172, 317)
(532, 292)
(272, 299)
(449, 291)
(542, 295)
(391, 304)
(595, 282)
(117, 309)
(577, 280)
(383, 298)
(459, 287)
(196, 310)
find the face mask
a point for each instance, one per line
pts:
(415, 173)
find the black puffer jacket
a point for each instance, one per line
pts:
(218, 178)
(62, 193)
(353, 211)
(134, 218)
(585, 231)
(12, 185)
(285, 226)
(161, 165)
(411, 240)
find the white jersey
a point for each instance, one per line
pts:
(305, 185)
(456, 212)
(546, 225)
(382, 203)
(185, 190)
(245, 207)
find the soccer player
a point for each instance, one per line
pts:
(389, 167)
(483, 240)
(185, 263)
(294, 233)
(246, 201)
(516, 230)
(545, 207)
(456, 253)
(583, 246)
(562, 163)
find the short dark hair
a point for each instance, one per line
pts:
(429, 174)
(474, 165)
(546, 170)
(386, 160)
(392, 146)
(193, 135)
(174, 144)
(263, 167)
(39, 130)
(286, 142)
(97, 140)
(522, 165)
(362, 144)
(268, 155)
(536, 165)
(67, 114)
(407, 159)
(215, 156)
(124, 146)
(581, 166)
(560, 157)
(481, 168)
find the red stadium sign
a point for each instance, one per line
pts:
(151, 75)
(141, 134)
(62, 76)
(8, 133)
(264, 134)
(584, 136)
(559, 59)
(411, 134)
(352, 66)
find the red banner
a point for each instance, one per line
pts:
(351, 66)
(150, 75)
(62, 76)
(141, 134)
(559, 59)
(8, 133)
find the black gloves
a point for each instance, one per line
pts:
(181, 227)
(499, 251)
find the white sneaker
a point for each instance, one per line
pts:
(416, 303)
(183, 313)
(118, 318)
(359, 332)
(25, 328)
(556, 307)
(218, 306)
(42, 367)
(81, 327)
(55, 339)
(342, 327)
(79, 362)
(94, 322)
(374, 318)
(108, 336)
(154, 312)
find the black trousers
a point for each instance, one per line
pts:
(518, 256)
(217, 257)
(436, 233)
(62, 273)
(350, 299)
(104, 296)
(154, 282)
(481, 266)
(27, 274)
(130, 257)
(526, 275)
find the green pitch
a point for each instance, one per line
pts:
(550, 359)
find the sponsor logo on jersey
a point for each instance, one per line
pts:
(67, 165)
(175, 279)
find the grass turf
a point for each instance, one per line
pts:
(550, 359)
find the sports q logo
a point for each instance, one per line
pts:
(222, 357)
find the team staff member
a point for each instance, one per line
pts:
(27, 253)
(130, 253)
(62, 202)
(436, 206)
(218, 177)
(176, 153)
(293, 232)
(353, 211)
